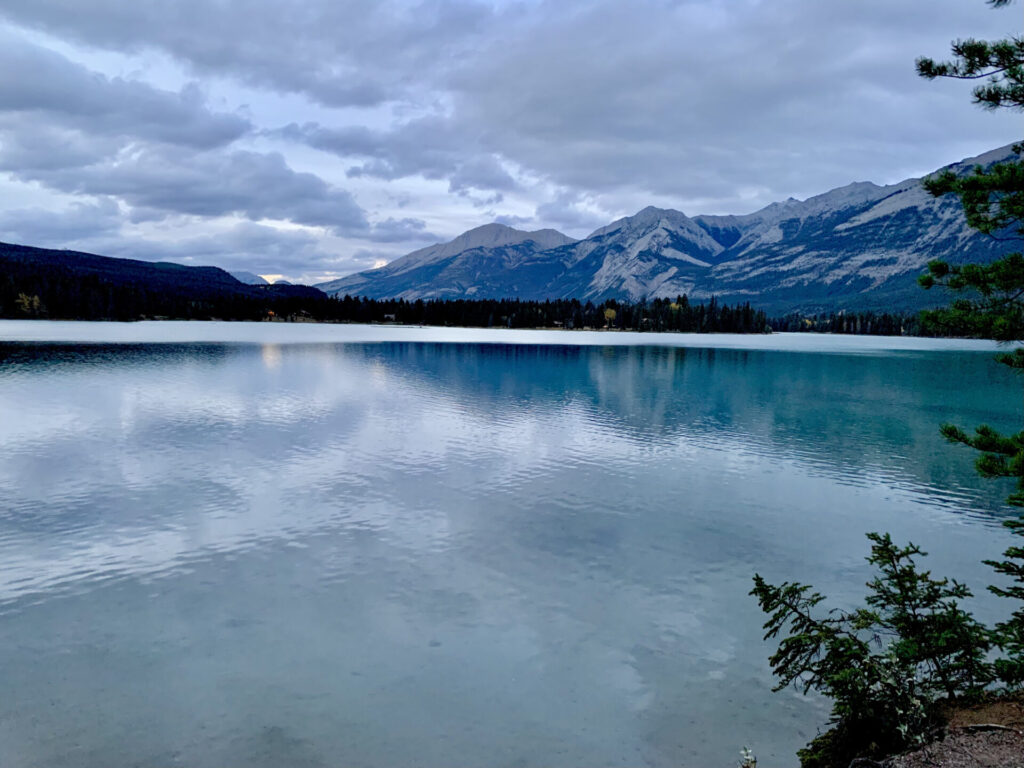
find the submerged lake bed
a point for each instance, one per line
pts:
(233, 544)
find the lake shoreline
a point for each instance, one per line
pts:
(234, 331)
(389, 324)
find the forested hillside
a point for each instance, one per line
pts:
(43, 283)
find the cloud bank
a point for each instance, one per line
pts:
(325, 129)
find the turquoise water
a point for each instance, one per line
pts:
(270, 545)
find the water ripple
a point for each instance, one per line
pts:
(348, 549)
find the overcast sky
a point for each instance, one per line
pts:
(314, 138)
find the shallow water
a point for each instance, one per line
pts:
(268, 545)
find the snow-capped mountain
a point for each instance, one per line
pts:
(860, 247)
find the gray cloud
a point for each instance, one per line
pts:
(258, 248)
(698, 100)
(393, 230)
(481, 172)
(246, 246)
(337, 52)
(510, 220)
(567, 211)
(54, 91)
(726, 106)
(80, 222)
(161, 153)
(29, 146)
(159, 180)
(431, 147)
(573, 110)
(97, 228)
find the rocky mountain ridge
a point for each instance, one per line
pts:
(860, 246)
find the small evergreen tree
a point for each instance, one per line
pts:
(1009, 634)
(885, 666)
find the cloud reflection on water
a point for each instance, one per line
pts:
(555, 539)
(322, 424)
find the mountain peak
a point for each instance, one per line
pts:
(644, 219)
(487, 236)
(985, 159)
(494, 229)
(495, 235)
(653, 212)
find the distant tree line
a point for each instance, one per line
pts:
(91, 298)
(857, 323)
(55, 293)
(656, 315)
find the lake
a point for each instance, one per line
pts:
(266, 545)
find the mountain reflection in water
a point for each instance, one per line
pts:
(320, 554)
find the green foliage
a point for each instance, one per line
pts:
(1009, 634)
(992, 198)
(993, 202)
(29, 305)
(993, 302)
(930, 631)
(1000, 63)
(1001, 455)
(885, 665)
(994, 310)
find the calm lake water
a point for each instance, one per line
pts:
(292, 545)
